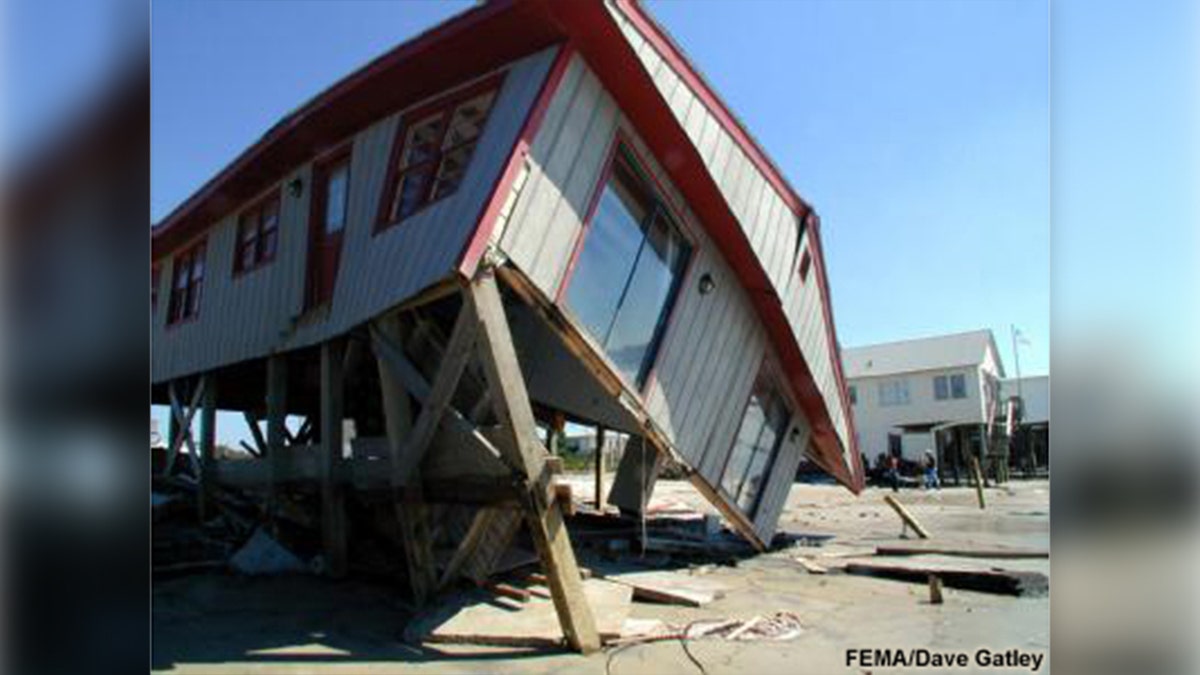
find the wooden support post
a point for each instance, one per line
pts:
(935, 589)
(599, 468)
(907, 517)
(510, 402)
(333, 498)
(276, 431)
(174, 430)
(978, 475)
(208, 431)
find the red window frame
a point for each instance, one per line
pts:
(187, 283)
(430, 167)
(257, 235)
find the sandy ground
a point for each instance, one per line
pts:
(224, 624)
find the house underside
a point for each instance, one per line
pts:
(442, 331)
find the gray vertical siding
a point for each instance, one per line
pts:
(256, 313)
(765, 217)
(714, 344)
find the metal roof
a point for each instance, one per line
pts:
(929, 353)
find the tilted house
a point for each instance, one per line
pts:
(563, 161)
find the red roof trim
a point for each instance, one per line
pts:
(835, 351)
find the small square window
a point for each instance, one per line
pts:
(941, 388)
(258, 235)
(437, 146)
(187, 284)
(958, 386)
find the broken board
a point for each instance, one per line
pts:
(481, 618)
(981, 578)
(965, 551)
(672, 588)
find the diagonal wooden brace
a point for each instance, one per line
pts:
(517, 441)
(183, 420)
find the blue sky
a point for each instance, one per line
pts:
(918, 129)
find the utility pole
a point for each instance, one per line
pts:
(1017, 358)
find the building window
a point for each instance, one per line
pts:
(949, 386)
(628, 271)
(958, 386)
(941, 388)
(433, 151)
(257, 235)
(187, 284)
(893, 392)
(853, 391)
(805, 263)
(758, 439)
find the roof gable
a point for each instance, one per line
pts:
(920, 354)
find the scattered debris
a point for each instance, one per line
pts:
(810, 566)
(776, 627)
(477, 617)
(672, 588)
(263, 555)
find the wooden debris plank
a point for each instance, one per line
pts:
(509, 591)
(812, 567)
(985, 580)
(907, 517)
(473, 619)
(668, 587)
(962, 551)
(978, 480)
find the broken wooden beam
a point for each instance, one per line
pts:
(935, 589)
(978, 480)
(907, 517)
(964, 552)
(998, 581)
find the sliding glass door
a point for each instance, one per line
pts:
(758, 439)
(628, 272)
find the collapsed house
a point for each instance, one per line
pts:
(534, 211)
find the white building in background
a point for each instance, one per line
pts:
(1035, 391)
(1031, 440)
(903, 392)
